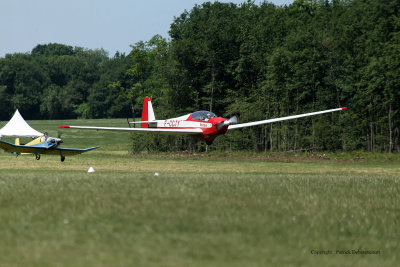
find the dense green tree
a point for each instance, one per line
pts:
(257, 61)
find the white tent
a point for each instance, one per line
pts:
(17, 127)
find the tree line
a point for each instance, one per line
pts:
(257, 61)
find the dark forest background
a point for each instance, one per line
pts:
(256, 60)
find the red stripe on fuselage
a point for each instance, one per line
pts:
(209, 133)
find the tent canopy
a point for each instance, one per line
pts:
(17, 127)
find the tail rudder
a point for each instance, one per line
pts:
(147, 112)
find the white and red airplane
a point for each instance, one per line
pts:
(203, 125)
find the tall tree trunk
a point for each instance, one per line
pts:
(312, 119)
(133, 113)
(371, 131)
(296, 131)
(212, 81)
(278, 139)
(270, 138)
(313, 133)
(390, 129)
(265, 138)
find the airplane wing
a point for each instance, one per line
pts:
(248, 124)
(9, 147)
(42, 148)
(154, 130)
(68, 151)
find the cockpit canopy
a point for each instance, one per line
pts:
(203, 115)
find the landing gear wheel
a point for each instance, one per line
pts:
(37, 156)
(62, 158)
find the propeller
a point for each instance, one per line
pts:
(56, 141)
(233, 120)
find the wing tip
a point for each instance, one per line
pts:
(343, 108)
(63, 126)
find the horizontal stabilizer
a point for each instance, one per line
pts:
(133, 122)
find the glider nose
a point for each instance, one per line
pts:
(225, 122)
(219, 122)
(233, 120)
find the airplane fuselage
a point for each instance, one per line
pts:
(210, 125)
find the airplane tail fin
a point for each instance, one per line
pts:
(147, 112)
(17, 141)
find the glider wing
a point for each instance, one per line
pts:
(242, 125)
(154, 130)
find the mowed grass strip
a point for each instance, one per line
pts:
(197, 212)
(122, 161)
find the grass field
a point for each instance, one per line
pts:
(199, 211)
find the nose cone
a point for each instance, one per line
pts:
(221, 124)
(219, 127)
(217, 120)
(56, 140)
